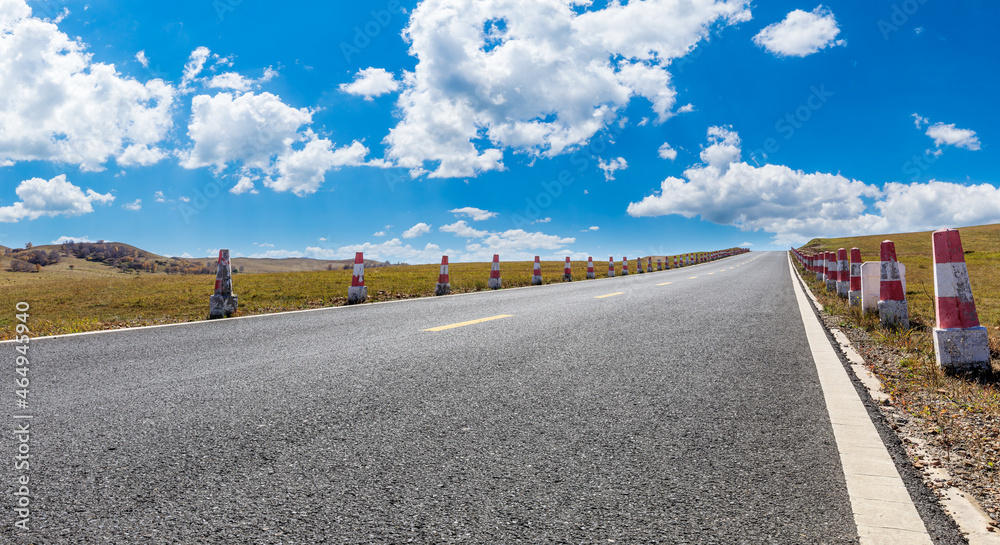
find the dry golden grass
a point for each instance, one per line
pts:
(982, 257)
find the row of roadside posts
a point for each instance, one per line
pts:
(224, 302)
(961, 344)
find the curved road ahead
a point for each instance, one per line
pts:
(676, 407)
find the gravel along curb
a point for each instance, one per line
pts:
(972, 521)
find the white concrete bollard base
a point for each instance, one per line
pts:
(567, 278)
(591, 276)
(357, 294)
(962, 350)
(494, 283)
(843, 288)
(536, 280)
(854, 298)
(895, 313)
(442, 289)
(871, 282)
(222, 306)
(831, 285)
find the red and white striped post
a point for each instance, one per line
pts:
(590, 268)
(649, 264)
(961, 344)
(675, 262)
(536, 276)
(831, 272)
(843, 274)
(495, 273)
(444, 280)
(358, 292)
(659, 264)
(624, 266)
(611, 266)
(821, 266)
(223, 303)
(854, 294)
(638, 265)
(567, 271)
(892, 308)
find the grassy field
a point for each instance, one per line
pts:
(982, 257)
(94, 297)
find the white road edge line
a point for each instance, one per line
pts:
(883, 509)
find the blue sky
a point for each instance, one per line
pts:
(536, 127)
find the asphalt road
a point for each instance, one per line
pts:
(688, 412)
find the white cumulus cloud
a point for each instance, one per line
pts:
(796, 206)
(667, 152)
(245, 185)
(57, 104)
(476, 214)
(370, 83)
(55, 197)
(536, 76)
(263, 137)
(195, 64)
(462, 229)
(417, 230)
(611, 167)
(949, 135)
(64, 239)
(801, 33)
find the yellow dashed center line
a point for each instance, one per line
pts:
(692, 278)
(471, 322)
(610, 295)
(665, 284)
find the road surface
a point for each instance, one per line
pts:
(675, 407)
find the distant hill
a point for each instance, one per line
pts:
(105, 257)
